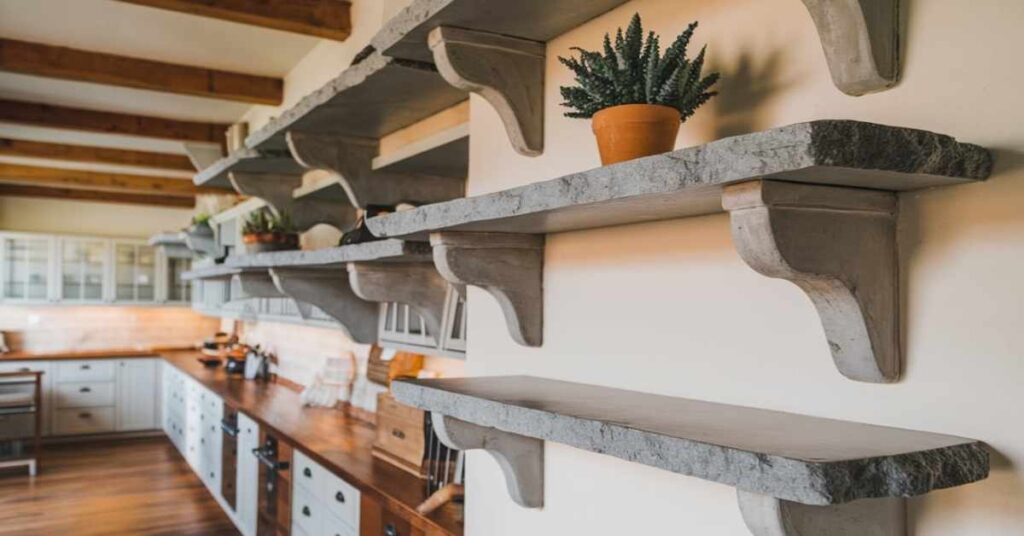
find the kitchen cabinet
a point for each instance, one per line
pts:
(275, 486)
(39, 268)
(26, 267)
(378, 520)
(137, 408)
(247, 475)
(401, 327)
(322, 502)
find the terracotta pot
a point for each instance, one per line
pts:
(632, 131)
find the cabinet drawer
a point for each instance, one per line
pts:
(308, 474)
(17, 426)
(84, 395)
(334, 526)
(84, 421)
(25, 366)
(84, 371)
(307, 512)
(341, 498)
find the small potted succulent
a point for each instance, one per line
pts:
(636, 96)
(265, 231)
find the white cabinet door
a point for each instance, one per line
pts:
(248, 474)
(134, 272)
(136, 395)
(82, 263)
(27, 268)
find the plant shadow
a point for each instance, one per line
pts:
(747, 84)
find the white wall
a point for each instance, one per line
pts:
(89, 218)
(670, 308)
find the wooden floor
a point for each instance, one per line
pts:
(113, 488)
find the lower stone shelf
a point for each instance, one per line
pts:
(795, 474)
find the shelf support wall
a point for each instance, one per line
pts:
(415, 284)
(770, 516)
(861, 42)
(329, 290)
(839, 246)
(506, 71)
(508, 266)
(521, 458)
(350, 161)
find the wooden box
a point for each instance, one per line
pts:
(400, 440)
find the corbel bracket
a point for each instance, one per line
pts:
(350, 161)
(508, 266)
(415, 284)
(507, 72)
(770, 516)
(278, 190)
(329, 290)
(259, 284)
(521, 458)
(838, 245)
(861, 42)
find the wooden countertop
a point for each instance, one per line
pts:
(110, 353)
(339, 443)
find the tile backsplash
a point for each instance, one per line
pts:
(58, 328)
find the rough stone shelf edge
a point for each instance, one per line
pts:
(803, 497)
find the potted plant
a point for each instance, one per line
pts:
(265, 231)
(637, 97)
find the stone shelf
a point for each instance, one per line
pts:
(174, 244)
(368, 100)
(336, 257)
(214, 272)
(842, 477)
(445, 154)
(813, 203)
(247, 161)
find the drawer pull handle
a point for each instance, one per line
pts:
(23, 369)
(390, 530)
(85, 415)
(305, 511)
(307, 473)
(85, 390)
(86, 367)
(398, 433)
(340, 497)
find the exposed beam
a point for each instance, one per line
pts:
(99, 68)
(18, 190)
(329, 19)
(44, 115)
(99, 155)
(94, 180)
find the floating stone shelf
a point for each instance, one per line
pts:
(247, 161)
(173, 244)
(215, 272)
(813, 203)
(794, 474)
(336, 257)
(445, 154)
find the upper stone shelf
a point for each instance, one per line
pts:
(368, 100)
(336, 257)
(405, 35)
(689, 182)
(247, 161)
(812, 468)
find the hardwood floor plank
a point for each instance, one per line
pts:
(138, 487)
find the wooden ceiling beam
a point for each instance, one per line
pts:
(97, 155)
(44, 115)
(19, 190)
(95, 180)
(99, 68)
(329, 19)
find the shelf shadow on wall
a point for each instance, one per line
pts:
(747, 84)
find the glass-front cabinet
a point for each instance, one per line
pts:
(134, 272)
(26, 267)
(83, 269)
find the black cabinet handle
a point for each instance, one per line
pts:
(85, 390)
(390, 530)
(398, 433)
(305, 511)
(340, 497)
(85, 415)
(307, 473)
(86, 367)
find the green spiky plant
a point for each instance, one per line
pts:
(633, 71)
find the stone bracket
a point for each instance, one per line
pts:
(507, 72)
(861, 42)
(770, 516)
(350, 161)
(508, 266)
(521, 458)
(415, 284)
(258, 285)
(329, 290)
(839, 245)
(278, 190)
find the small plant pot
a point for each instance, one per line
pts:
(631, 131)
(261, 242)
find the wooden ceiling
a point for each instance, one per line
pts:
(42, 166)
